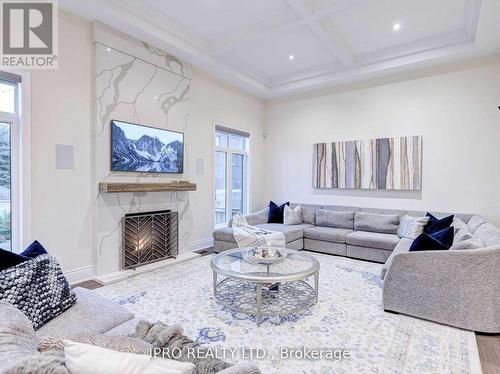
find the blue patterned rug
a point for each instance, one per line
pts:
(349, 316)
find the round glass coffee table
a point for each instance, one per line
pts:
(265, 289)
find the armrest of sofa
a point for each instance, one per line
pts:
(256, 218)
(459, 288)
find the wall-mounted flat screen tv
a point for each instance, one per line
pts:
(139, 148)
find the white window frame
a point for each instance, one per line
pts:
(20, 162)
(220, 127)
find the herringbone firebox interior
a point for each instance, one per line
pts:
(149, 237)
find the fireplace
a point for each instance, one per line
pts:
(149, 237)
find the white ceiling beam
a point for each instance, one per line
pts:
(331, 39)
(257, 32)
(472, 17)
(329, 7)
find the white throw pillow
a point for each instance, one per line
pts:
(292, 216)
(84, 358)
(411, 227)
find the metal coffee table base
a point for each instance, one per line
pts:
(248, 296)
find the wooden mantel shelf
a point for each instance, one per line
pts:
(147, 187)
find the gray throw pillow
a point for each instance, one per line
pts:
(474, 222)
(461, 235)
(411, 227)
(337, 219)
(374, 222)
(467, 244)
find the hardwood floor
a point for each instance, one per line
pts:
(489, 353)
(90, 285)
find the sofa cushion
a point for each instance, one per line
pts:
(254, 218)
(81, 317)
(467, 244)
(373, 240)
(327, 234)
(474, 222)
(224, 234)
(402, 247)
(17, 336)
(291, 232)
(308, 212)
(332, 218)
(374, 222)
(488, 234)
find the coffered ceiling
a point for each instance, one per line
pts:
(274, 48)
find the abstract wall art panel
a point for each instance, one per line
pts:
(384, 164)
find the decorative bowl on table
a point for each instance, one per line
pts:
(265, 255)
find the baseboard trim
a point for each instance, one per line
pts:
(80, 275)
(196, 245)
(120, 275)
(88, 272)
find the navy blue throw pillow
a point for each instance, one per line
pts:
(35, 249)
(9, 259)
(438, 241)
(436, 224)
(276, 212)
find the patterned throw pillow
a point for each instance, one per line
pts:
(411, 227)
(37, 288)
(116, 343)
(292, 216)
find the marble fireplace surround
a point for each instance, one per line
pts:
(137, 83)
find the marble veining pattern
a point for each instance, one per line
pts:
(349, 315)
(130, 89)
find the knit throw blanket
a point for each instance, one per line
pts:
(252, 236)
(171, 339)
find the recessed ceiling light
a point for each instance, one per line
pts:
(108, 49)
(396, 26)
(291, 57)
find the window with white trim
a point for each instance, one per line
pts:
(9, 161)
(231, 174)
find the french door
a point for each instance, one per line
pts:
(231, 175)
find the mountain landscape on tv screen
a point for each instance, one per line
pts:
(146, 154)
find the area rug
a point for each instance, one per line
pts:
(349, 317)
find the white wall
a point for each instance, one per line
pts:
(456, 114)
(61, 101)
(64, 201)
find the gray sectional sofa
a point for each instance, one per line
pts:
(455, 287)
